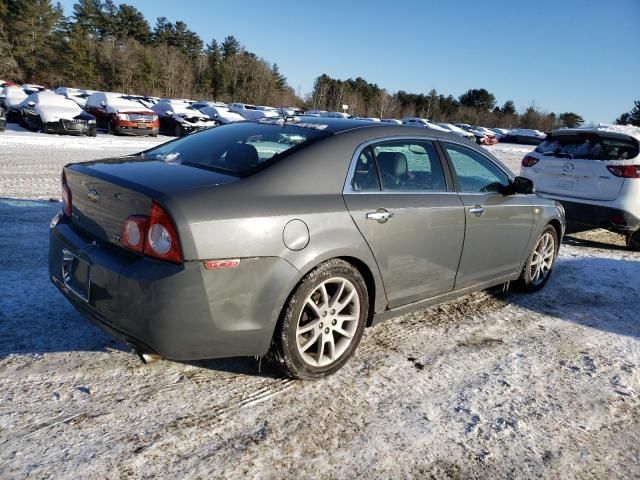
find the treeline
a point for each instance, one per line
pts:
(476, 106)
(631, 117)
(104, 46)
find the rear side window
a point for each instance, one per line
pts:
(476, 173)
(237, 149)
(589, 147)
(411, 165)
(365, 176)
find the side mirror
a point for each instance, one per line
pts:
(103, 104)
(519, 185)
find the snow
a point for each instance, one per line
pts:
(516, 386)
(628, 129)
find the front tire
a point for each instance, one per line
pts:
(540, 262)
(322, 322)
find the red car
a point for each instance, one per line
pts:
(121, 116)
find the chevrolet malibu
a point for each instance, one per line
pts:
(287, 237)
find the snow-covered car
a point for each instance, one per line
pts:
(251, 112)
(7, 83)
(179, 118)
(501, 133)
(595, 174)
(315, 113)
(219, 112)
(391, 120)
(483, 136)
(10, 98)
(120, 116)
(458, 131)
(422, 122)
(369, 119)
(335, 115)
(3, 120)
(144, 100)
(48, 112)
(30, 88)
(525, 136)
(76, 94)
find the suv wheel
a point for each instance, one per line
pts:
(540, 261)
(323, 321)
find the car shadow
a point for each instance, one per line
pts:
(586, 243)
(595, 292)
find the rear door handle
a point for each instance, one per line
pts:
(381, 215)
(477, 210)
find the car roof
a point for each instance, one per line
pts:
(340, 125)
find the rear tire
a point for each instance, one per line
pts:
(633, 241)
(540, 262)
(322, 322)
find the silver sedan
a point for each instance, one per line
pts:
(288, 237)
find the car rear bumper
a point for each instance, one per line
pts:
(580, 215)
(181, 312)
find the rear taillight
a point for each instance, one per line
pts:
(626, 171)
(66, 196)
(529, 161)
(161, 240)
(153, 235)
(133, 232)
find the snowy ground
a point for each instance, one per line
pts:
(513, 386)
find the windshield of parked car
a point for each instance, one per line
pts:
(589, 146)
(238, 149)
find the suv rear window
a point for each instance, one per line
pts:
(238, 149)
(589, 146)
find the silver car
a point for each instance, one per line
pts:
(288, 237)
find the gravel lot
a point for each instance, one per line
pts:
(491, 385)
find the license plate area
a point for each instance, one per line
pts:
(76, 274)
(143, 125)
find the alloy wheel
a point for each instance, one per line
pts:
(542, 258)
(328, 322)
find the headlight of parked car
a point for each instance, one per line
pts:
(91, 122)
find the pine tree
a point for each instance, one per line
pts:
(230, 47)
(280, 80)
(214, 61)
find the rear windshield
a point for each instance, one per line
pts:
(589, 147)
(238, 149)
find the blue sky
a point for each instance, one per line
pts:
(562, 55)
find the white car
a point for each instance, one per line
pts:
(219, 112)
(48, 112)
(251, 112)
(30, 88)
(10, 99)
(458, 131)
(422, 122)
(77, 95)
(501, 133)
(595, 174)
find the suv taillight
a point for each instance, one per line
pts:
(66, 196)
(529, 161)
(153, 235)
(626, 171)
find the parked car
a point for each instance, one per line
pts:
(10, 99)
(219, 112)
(335, 115)
(179, 118)
(391, 120)
(121, 116)
(286, 238)
(144, 100)
(483, 136)
(525, 135)
(7, 83)
(75, 94)
(458, 131)
(48, 112)
(3, 120)
(422, 122)
(30, 88)
(595, 174)
(501, 133)
(251, 112)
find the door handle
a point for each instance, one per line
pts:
(477, 210)
(381, 215)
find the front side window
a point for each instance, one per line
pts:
(476, 173)
(410, 165)
(237, 149)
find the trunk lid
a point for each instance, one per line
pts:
(106, 192)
